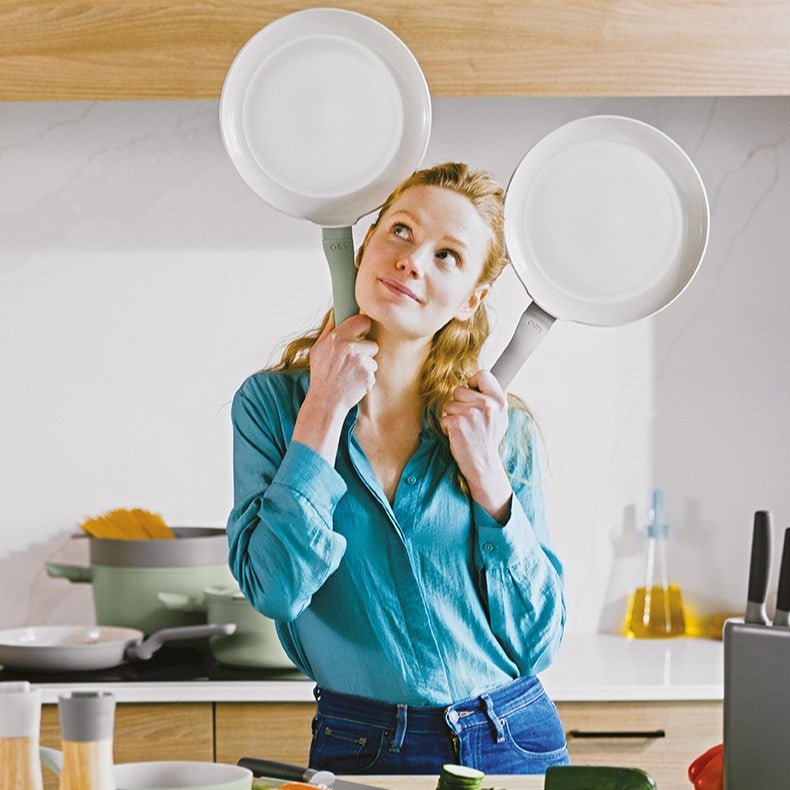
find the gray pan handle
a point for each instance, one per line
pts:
(531, 329)
(339, 252)
(146, 649)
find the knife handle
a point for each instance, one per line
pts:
(759, 567)
(276, 770)
(783, 593)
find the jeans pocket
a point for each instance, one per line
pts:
(535, 731)
(344, 746)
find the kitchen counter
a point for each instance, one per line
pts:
(589, 667)
(429, 782)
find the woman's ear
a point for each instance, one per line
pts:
(473, 302)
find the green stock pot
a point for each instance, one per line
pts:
(127, 576)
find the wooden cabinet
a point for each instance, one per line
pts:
(661, 738)
(182, 49)
(275, 730)
(143, 732)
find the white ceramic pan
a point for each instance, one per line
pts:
(323, 113)
(606, 222)
(76, 648)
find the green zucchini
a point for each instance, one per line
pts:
(596, 777)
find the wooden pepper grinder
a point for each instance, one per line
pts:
(86, 728)
(20, 721)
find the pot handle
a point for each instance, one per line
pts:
(74, 573)
(146, 649)
(182, 603)
(51, 758)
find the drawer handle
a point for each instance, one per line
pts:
(616, 734)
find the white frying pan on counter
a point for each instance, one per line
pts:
(323, 113)
(606, 222)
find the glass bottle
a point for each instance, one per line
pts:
(87, 721)
(655, 610)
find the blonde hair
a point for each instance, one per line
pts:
(455, 349)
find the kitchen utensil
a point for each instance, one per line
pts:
(128, 574)
(121, 524)
(759, 568)
(20, 721)
(87, 719)
(295, 773)
(168, 775)
(255, 642)
(48, 648)
(782, 614)
(606, 222)
(323, 113)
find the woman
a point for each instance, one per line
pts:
(388, 511)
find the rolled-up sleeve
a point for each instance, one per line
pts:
(282, 547)
(520, 575)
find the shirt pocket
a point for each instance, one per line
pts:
(344, 746)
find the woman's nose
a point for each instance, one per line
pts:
(413, 262)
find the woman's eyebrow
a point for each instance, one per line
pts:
(416, 220)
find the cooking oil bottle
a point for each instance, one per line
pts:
(655, 611)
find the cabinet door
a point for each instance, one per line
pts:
(274, 730)
(661, 738)
(146, 732)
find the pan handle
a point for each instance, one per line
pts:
(531, 329)
(179, 602)
(74, 573)
(145, 650)
(339, 252)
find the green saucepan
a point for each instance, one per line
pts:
(254, 643)
(127, 575)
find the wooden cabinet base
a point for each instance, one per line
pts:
(661, 738)
(147, 732)
(274, 730)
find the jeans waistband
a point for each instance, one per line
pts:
(497, 702)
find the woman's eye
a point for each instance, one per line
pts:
(398, 227)
(455, 256)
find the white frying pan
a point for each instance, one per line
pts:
(606, 222)
(323, 113)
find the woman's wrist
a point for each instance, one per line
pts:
(492, 491)
(318, 425)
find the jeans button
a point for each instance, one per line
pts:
(453, 716)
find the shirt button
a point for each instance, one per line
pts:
(488, 547)
(411, 480)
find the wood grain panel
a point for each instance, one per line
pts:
(274, 730)
(147, 732)
(157, 49)
(691, 728)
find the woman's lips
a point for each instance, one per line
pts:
(399, 289)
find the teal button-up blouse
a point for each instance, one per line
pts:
(428, 601)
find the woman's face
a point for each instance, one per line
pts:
(432, 242)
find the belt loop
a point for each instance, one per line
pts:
(491, 713)
(400, 730)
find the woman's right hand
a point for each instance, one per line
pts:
(342, 367)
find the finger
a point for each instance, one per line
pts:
(467, 395)
(484, 381)
(328, 326)
(355, 325)
(367, 347)
(456, 407)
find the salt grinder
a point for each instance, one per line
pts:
(86, 726)
(20, 721)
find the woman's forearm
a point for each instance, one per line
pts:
(319, 427)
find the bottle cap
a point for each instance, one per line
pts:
(87, 716)
(20, 710)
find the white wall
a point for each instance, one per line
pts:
(141, 281)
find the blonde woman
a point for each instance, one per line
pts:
(388, 509)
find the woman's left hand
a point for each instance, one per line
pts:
(475, 422)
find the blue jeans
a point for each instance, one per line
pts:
(513, 729)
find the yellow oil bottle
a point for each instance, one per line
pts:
(655, 610)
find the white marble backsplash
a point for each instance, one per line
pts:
(141, 281)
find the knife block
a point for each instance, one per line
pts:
(756, 706)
